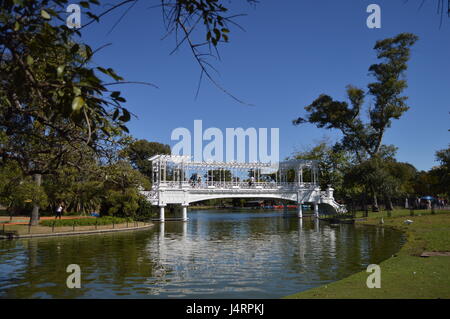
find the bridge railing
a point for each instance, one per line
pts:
(323, 194)
(151, 195)
(233, 185)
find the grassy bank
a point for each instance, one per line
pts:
(63, 226)
(406, 274)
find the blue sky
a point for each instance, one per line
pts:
(291, 51)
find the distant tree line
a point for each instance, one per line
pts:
(110, 188)
(392, 181)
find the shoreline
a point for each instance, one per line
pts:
(406, 274)
(13, 236)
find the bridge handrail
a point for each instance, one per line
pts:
(150, 194)
(232, 185)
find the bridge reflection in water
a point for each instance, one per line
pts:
(179, 180)
(217, 254)
(235, 254)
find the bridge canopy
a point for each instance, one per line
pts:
(182, 169)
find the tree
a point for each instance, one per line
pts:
(437, 180)
(443, 156)
(53, 100)
(385, 176)
(333, 163)
(365, 177)
(398, 181)
(81, 191)
(139, 151)
(122, 185)
(18, 191)
(365, 138)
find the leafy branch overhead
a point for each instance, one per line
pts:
(47, 76)
(183, 17)
(201, 24)
(57, 109)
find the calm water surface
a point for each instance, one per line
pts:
(216, 254)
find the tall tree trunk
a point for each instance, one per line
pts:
(365, 207)
(35, 212)
(10, 211)
(389, 205)
(375, 202)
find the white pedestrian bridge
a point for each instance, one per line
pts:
(181, 181)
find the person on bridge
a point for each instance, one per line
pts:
(192, 180)
(251, 182)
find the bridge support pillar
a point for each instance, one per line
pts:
(316, 210)
(184, 212)
(161, 213)
(300, 210)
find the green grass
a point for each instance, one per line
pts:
(107, 220)
(405, 275)
(398, 212)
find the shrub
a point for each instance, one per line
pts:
(107, 220)
(145, 209)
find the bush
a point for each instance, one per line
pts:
(120, 203)
(107, 220)
(146, 210)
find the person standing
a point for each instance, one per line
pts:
(59, 210)
(251, 182)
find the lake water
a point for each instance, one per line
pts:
(216, 254)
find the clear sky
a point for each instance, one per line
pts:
(291, 51)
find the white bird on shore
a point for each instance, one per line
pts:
(408, 221)
(382, 220)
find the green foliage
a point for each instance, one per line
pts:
(437, 180)
(145, 210)
(443, 156)
(385, 177)
(139, 151)
(121, 175)
(112, 189)
(121, 203)
(107, 220)
(29, 194)
(18, 191)
(56, 97)
(333, 163)
(122, 185)
(80, 191)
